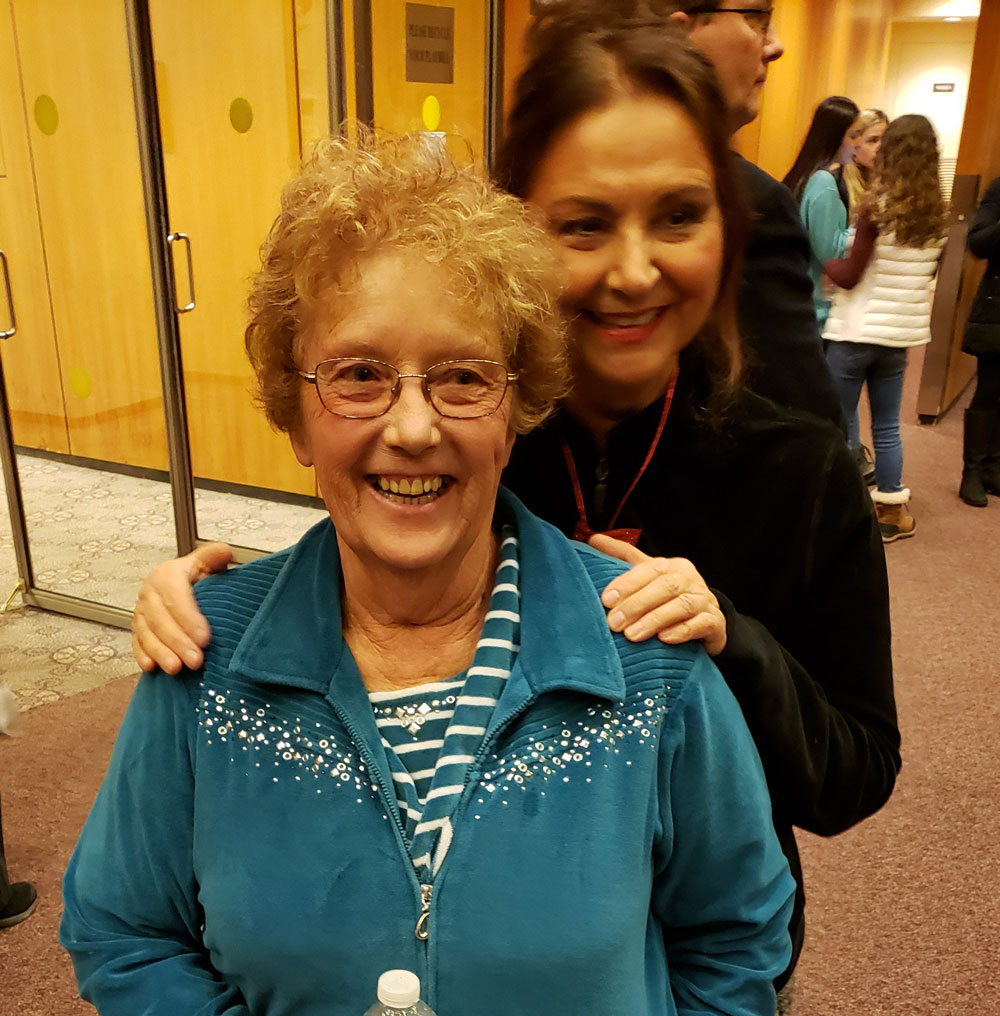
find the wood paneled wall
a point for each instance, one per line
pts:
(831, 48)
(231, 140)
(241, 89)
(30, 357)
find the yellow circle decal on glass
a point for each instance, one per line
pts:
(240, 115)
(431, 113)
(46, 114)
(79, 382)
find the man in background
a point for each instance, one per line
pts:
(776, 312)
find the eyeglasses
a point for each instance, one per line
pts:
(759, 18)
(361, 389)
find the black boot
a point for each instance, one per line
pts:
(20, 902)
(17, 899)
(991, 461)
(976, 439)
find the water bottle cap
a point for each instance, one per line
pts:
(399, 988)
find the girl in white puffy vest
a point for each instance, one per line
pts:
(884, 305)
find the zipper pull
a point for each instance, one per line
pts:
(600, 487)
(421, 930)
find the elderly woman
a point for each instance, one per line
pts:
(413, 741)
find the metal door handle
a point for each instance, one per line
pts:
(171, 239)
(10, 298)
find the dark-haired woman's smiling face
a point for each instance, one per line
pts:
(629, 193)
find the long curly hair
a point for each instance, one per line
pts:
(906, 195)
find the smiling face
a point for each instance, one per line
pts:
(868, 145)
(629, 194)
(445, 472)
(740, 54)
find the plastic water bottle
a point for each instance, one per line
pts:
(399, 995)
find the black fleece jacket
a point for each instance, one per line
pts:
(777, 316)
(772, 511)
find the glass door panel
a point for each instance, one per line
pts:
(428, 71)
(238, 84)
(82, 368)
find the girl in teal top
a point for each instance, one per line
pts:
(823, 204)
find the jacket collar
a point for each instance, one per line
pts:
(295, 636)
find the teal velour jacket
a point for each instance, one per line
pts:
(613, 851)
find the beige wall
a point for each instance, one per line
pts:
(921, 54)
(831, 48)
(936, 8)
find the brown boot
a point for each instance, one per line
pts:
(894, 521)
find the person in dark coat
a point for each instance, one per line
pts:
(981, 443)
(777, 319)
(775, 307)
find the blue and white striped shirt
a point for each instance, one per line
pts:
(432, 732)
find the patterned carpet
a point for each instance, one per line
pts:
(95, 534)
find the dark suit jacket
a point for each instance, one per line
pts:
(776, 313)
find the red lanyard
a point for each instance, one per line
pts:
(583, 531)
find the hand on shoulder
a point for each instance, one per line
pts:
(660, 596)
(168, 629)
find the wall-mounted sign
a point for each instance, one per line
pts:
(944, 86)
(430, 43)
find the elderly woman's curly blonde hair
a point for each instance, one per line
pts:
(355, 199)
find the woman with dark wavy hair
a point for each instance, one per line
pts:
(884, 307)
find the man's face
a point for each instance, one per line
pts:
(740, 51)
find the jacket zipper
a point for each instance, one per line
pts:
(601, 472)
(422, 931)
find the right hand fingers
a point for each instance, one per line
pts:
(162, 632)
(168, 629)
(150, 652)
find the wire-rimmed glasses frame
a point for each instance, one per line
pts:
(759, 18)
(353, 397)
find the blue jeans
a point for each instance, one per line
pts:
(854, 364)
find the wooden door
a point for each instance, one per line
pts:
(226, 80)
(410, 42)
(30, 359)
(77, 93)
